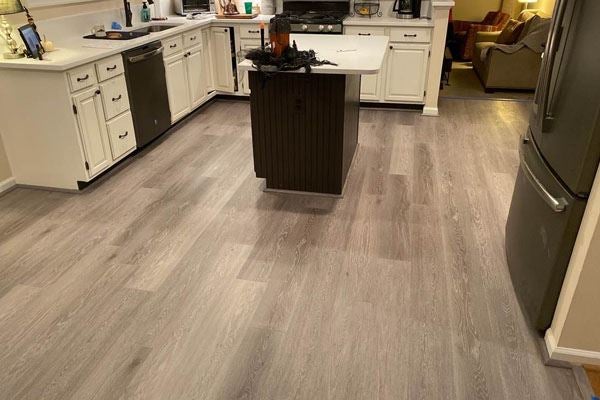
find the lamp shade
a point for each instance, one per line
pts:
(520, 1)
(10, 7)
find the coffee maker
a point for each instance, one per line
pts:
(407, 9)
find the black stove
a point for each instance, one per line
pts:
(316, 16)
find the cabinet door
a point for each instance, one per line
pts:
(92, 127)
(115, 99)
(370, 85)
(406, 72)
(177, 86)
(243, 78)
(196, 72)
(208, 64)
(222, 61)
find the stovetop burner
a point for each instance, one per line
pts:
(316, 16)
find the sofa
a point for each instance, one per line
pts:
(517, 69)
(465, 32)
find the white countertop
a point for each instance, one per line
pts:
(79, 51)
(354, 54)
(387, 21)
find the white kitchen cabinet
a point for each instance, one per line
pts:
(177, 86)
(92, 128)
(115, 98)
(246, 44)
(406, 72)
(208, 64)
(222, 60)
(195, 68)
(370, 85)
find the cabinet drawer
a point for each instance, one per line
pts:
(192, 38)
(114, 97)
(172, 45)
(364, 31)
(82, 77)
(253, 32)
(109, 68)
(121, 135)
(414, 35)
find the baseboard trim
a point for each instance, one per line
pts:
(574, 356)
(7, 185)
(431, 111)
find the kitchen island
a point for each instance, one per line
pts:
(305, 126)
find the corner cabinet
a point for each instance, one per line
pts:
(403, 75)
(80, 123)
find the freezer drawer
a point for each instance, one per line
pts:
(543, 223)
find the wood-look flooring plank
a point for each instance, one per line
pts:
(174, 276)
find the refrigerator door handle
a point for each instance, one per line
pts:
(557, 205)
(550, 60)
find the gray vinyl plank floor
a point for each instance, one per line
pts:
(176, 277)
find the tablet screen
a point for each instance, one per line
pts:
(31, 40)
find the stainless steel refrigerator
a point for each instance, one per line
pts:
(559, 154)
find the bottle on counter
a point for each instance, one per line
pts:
(145, 17)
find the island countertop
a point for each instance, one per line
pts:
(354, 55)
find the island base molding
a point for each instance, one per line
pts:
(304, 130)
(573, 356)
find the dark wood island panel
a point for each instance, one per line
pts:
(304, 130)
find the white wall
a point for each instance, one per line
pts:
(575, 332)
(474, 10)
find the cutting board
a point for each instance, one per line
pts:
(236, 16)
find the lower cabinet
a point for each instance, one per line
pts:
(208, 64)
(403, 75)
(92, 128)
(196, 72)
(222, 59)
(177, 86)
(246, 44)
(406, 72)
(121, 135)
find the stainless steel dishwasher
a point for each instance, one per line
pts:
(147, 86)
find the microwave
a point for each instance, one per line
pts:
(184, 7)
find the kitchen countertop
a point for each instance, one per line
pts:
(354, 54)
(79, 51)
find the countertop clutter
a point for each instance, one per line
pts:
(78, 51)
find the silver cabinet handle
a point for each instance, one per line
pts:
(557, 205)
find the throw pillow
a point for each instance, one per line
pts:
(511, 32)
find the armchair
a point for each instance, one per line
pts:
(465, 32)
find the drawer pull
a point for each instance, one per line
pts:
(250, 31)
(173, 46)
(391, 47)
(98, 92)
(119, 97)
(86, 77)
(364, 34)
(111, 68)
(123, 136)
(407, 35)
